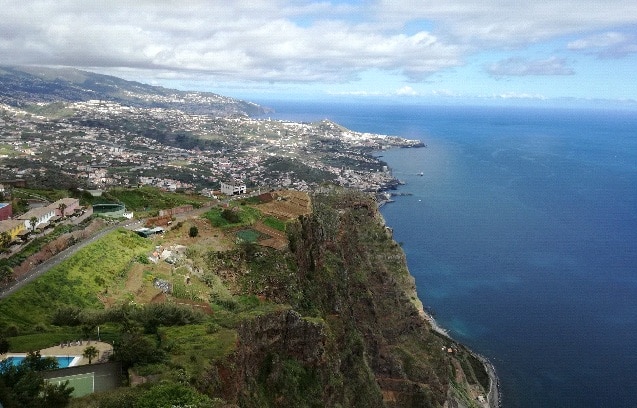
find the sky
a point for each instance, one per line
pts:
(409, 50)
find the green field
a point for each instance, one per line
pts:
(78, 281)
(275, 223)
(232, 217)
(151, 198)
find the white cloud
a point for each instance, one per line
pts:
(445, 93)
(516, 95)
(516, 66)
(251, 40)
(289, 42)
(406, 91)
(606, 45)
(597, 41)
(510, 23)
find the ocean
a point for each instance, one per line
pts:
(521, 234)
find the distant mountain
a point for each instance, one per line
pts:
(21, 86)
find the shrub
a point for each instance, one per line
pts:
(12, 331)
(231, 216)
(173, 395)
(67, 316)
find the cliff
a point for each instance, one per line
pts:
(354, 334)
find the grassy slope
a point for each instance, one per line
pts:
(76, 281)
(356, 260)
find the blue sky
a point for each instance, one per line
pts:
(466, 51)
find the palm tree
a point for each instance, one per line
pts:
(90, 352)
(62, 208)
(33, 221)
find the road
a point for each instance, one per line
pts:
(40, 269)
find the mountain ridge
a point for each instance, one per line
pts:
(33, 84)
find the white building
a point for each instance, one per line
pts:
(40, 215)
(233, 188)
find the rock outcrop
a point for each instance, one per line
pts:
(354, 335)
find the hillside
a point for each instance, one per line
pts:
(27, 85)
(329, 320)
(65, 128)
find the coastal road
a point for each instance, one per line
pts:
(493, 398)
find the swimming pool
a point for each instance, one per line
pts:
(63, 361)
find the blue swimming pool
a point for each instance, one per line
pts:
(63, 361)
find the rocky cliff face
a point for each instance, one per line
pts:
(354, 335)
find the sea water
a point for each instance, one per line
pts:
(521, 232)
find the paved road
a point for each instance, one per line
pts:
(38, 270)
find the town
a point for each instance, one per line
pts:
(100, 144)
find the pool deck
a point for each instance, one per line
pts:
(72, 350)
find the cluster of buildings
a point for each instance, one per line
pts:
(13, 228)
(104, 144)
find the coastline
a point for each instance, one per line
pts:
(493, 398)
(493, 395)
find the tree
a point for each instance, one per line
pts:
(4, 345)
(33, 221)
(90, 352)
(62, 208)
(5, 239)
(24, 386)
(135, 349)
(230, 216)
(35, 362)
(6, 273)
(194, 231)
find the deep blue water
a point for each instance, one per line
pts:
(522, 236)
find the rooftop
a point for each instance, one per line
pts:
(36, 212)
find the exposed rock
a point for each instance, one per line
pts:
(368, 344)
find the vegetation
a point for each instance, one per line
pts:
(77, 281)
(145, 200)
(285, 165)
(233, 216)
(35, 245)
(275, 223)
(23, 386)
(90, 353)
(44, 194)
(164, 394)
(318, 324)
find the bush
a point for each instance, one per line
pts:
(231, 216)
(67, 316)
(142, 259)
(12, 331)
(173, 395)
(134, 349)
